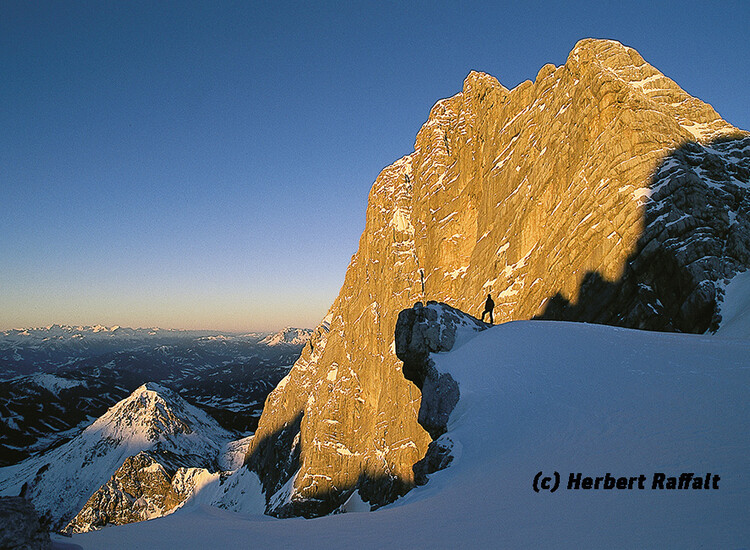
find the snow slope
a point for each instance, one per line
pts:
(551, 397)
(735, 308)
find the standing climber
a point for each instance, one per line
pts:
(489, 305)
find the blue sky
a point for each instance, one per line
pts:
(207, 164)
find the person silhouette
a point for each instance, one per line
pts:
(489, 305)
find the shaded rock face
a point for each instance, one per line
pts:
(421, 331)
(20, 528)
(274, 459)
(697, 234)
(139, 490)
(601, 191)
(439, 456)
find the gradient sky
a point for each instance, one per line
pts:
(207, 164)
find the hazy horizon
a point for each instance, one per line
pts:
(150, 327)
(189, 166)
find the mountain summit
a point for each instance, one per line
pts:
(600, 192)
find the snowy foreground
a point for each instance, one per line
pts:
(550, 397)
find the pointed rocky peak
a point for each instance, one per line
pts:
(597, 58)
(150, 412)
(609, 63)
(609, 53)
(153, 419)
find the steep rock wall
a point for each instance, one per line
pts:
(524, 194)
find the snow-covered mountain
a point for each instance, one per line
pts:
(551, 397)
(153, 419)
(288, 336)
(94, 332)
(229, 376)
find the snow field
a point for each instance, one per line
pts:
(551, 397)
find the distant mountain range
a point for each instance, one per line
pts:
(58, 379)
(288, 336)
(48, 349)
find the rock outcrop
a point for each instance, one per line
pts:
(601, 192)
(20, 528)
(137, 491)
(421, 331)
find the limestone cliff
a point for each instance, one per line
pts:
(601, 191)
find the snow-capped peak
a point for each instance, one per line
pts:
(152, 418)
(150, 412)
(288, 336)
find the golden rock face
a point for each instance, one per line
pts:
(519, 193)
